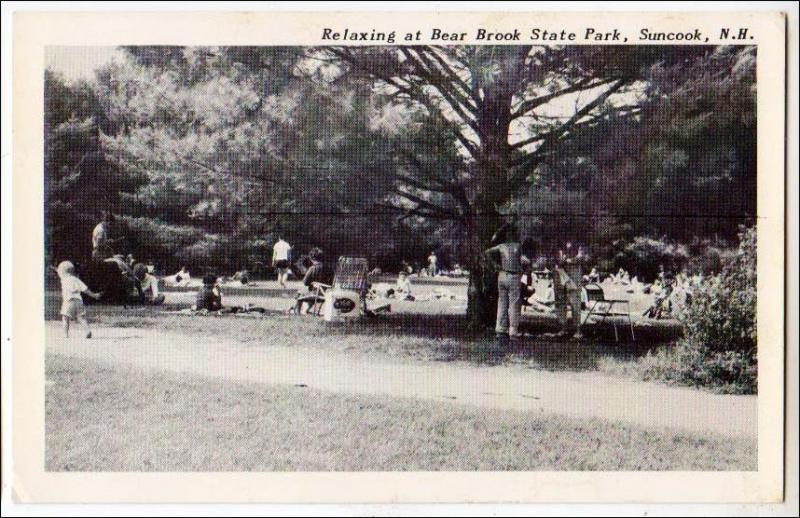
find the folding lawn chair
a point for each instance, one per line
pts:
(599, 306)
(316, 298)
(347, 296)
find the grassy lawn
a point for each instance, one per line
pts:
(103, 419)
(428, 333)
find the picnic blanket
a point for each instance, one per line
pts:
(236, 311)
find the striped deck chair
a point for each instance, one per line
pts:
(348, 293)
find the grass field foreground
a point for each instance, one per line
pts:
(103, 419)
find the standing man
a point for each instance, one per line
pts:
(433, 268)
(280, 260)
(101, 238)
(509, 260)
(567, 277)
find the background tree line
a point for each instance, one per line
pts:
(642, 154)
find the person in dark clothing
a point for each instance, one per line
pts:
(209, 296)
(527, 288)
(317, 274)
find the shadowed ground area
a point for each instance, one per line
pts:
(429, 330)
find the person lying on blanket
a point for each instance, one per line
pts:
(209, 297)
(182, 278)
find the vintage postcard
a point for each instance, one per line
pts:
(398, 257)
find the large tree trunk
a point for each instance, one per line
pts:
(482, 292)
(492, 165)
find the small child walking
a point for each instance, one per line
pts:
(71, 303)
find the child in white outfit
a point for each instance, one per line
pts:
(71, 302)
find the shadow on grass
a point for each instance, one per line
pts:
(548, 353)
(451, 340)
(438, 326)
(436, 337)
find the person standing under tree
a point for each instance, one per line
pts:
(566, 280)
(433, 268)
(102, 240)
(507, 257)
(280, 260)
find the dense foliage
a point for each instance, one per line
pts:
(209, 153)
(719, 347)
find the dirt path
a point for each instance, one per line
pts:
(506, 387)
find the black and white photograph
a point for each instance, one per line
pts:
(521, 248)
(401, 258)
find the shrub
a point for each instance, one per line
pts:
(644, 255)
(720, 344)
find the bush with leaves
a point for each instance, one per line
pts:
(719, 346)
(644, 255)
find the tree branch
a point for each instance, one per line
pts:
(417, 184)
(441, 74)
(425, 204)
(413, 90)
(556, 133)
(447, 67)
(440, 83)
(531, 104)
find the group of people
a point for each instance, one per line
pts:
(564, 293)
(669, 290)
(118, 277)
(511, 258)
(512, 261)
(135, 281)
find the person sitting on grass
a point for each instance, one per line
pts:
(243, 276)
(662, 304)
(72, 307)
(147, 286)
(317, 274)
(402, 289)
(119, 282)
(209, 297)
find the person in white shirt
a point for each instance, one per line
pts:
(402, 288)
(102, 239)
(545, 302)
(147, 285)
(280, 260)
(433, 269)
(182, 278)
(72, 307)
